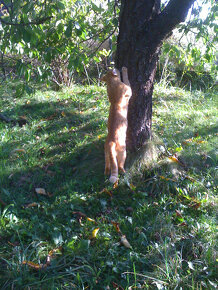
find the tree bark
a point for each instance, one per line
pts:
(142, 29)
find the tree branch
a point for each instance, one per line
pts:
(93, 53)
(174, 13)
(36, 22)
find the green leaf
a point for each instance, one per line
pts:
(84, 245)
(60, 5)
(26, 35)
(68, 31)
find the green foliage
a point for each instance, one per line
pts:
(167, 212)
(189, 56)
(55, 40)
(61, 41)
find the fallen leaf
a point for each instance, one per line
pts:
(116, 226)
(34, 265)
(94, 233)
(79, 213)
(174, 159)
(105, 190)
(40, 191)
(51, 117)
(91, 220)
(51, 254)
(117, 287)
(190, 178)
(178, 213)
(34, 204)
(79, 216)
(116, 184)
(42, 151)
(200, 141)
(13, 244)
(195, 204)
(166, 178)
(124, 242)
(55, 251)
(183, 224)
(189, 141)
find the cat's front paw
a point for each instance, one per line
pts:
(124, 69)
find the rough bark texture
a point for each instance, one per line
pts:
(142, 28)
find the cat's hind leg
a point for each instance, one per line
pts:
(113, 162)
(121, 158)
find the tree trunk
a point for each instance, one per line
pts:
(142, 28)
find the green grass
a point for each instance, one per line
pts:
(166, 211)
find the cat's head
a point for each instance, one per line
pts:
(111, 74)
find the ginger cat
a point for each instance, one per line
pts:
(119, 94)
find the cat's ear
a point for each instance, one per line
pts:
(114, 72)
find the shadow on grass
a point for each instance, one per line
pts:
(58, 166)
(68, 163)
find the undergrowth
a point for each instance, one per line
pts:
(61, 223)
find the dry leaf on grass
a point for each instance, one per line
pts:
(105, 190)
(183, 224)
(34, 266)
(40, 191)
(124, 242)
(190, 178)
(195, 204)
(116, 184)
(174, 159)
(178, 213)
(116, 226)
(167, 179)
(79, 216)
(90, 220)
(94, 233)
(50, 256)
(33, 204)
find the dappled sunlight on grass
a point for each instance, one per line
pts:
(165, 212)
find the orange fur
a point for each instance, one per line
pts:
(119, 94)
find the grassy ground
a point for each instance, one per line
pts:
(155, 230)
